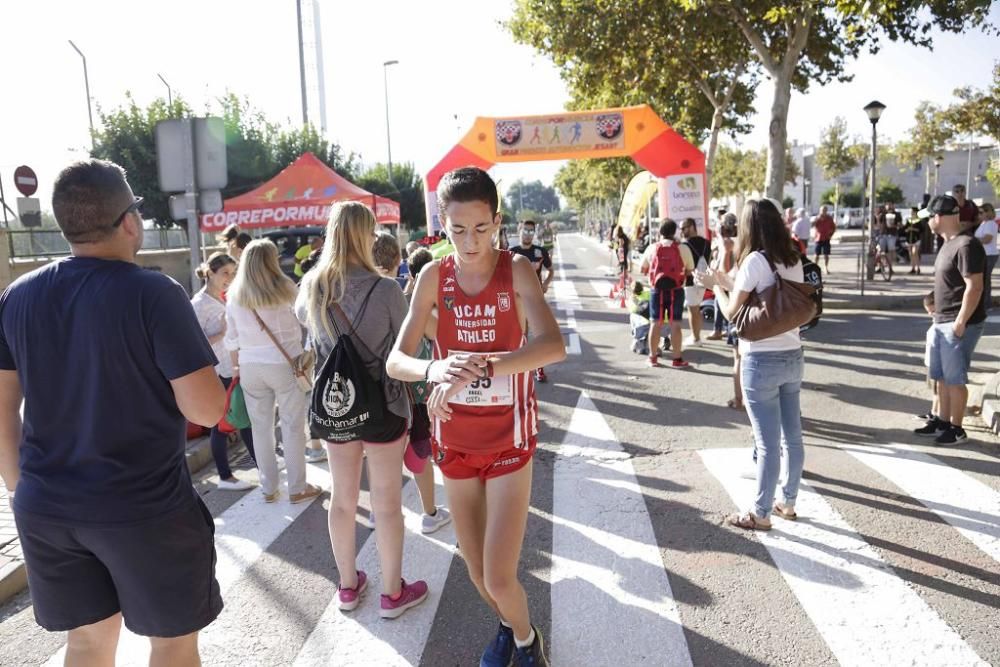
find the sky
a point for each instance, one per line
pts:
(455, 60)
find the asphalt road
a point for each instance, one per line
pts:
(627, 562)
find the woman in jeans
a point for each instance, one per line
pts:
(262, 290)
(772, 367)
(374, 307)
(218, 273)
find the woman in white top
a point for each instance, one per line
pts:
(210, 308)
(261, 289)
(771, 368)
(987, 235)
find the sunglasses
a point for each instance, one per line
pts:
(134, 207)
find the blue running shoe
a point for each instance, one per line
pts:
(500, 652)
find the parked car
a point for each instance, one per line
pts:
(289, 241)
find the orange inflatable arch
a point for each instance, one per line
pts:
(637, 132)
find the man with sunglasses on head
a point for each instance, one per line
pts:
(110, 361)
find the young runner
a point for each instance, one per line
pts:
(540, 259)
(483, 401)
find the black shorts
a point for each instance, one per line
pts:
(666, 303)
(160, 574)
(823, 248)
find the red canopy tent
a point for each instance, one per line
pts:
(301, 194)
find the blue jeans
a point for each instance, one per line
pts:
(219, 442)
(771, 385)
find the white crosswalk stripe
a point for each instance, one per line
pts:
(866, 614)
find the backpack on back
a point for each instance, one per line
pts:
(667, 265)
(347, 402)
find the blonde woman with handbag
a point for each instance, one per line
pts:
(265, 340)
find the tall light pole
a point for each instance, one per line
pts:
(302, 64)
(874, 110)
(86, 83)
(385, 84)
(170, 93)
(937, 172)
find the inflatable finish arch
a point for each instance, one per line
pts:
(623, 131)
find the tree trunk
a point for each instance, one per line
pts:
(927, 177)
(713, 145)
(778, 131)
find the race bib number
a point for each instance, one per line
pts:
(486, 392)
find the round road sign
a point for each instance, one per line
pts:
(25, 181)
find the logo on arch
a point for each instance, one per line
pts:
(508, 132)
(610, 125)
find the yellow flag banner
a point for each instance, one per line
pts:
(640, 190)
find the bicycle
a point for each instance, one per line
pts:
(882, 264)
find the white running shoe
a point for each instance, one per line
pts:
(691, 342)
(315, 455)
(430, 523)
(235, 484)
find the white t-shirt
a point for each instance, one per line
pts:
(756, 274)
(801, 228)
(989, 228)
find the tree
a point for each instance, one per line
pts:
(835, 156)
(406, 187)
(126, 137)
(583, 182)
(927, 138)
(803, 43)
(887, 192)
(533, 195)
(978, 112)
(742, 172)
(256, 148)
(700, 76)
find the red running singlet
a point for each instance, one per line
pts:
(494, 414)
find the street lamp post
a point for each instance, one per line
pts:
(874, 110)
(170, 93)
(385, 84)
(86, 83)
(937, 172)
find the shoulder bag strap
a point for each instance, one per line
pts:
(273, 338)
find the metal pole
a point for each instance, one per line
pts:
(170, 95)
(6, 222)
(872, 186)
(863, 255)
(968, 169)
(302, 64)
(86, 83)
(191, 202)
(385, 86)
(937, 177)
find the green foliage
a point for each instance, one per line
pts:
(788, 201)
(887, 191)
(534, 195)
(583, 182)
(927, 137)
(829, 196)
(834, 155)
(256, 148)
(406, 187)
(853, 197)
(978, 111)
(740, 172)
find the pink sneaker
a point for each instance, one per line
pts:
(412, 595)
(349, 598)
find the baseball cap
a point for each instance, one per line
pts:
(940, 205)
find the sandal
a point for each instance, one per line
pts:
(734, 404)
(748, 521)
(784, 512)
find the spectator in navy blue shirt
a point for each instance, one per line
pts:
(110, 360)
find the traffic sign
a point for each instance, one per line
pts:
(25, 181)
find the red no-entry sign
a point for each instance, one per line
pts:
(25, 180)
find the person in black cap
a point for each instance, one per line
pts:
(959, 314)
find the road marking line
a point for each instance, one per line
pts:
(360, 637)
(573, 344)
(243, 532)
(964, 502)
(865, 613)
(604, 549)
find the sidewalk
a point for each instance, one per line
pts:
(13, 577)
(842, 283)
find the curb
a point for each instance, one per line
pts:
(14, 575)
(990, 410)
